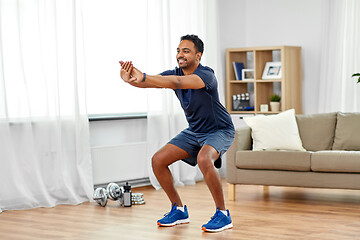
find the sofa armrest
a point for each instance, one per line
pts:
(242, 141)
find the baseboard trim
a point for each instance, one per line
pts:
(134, 183)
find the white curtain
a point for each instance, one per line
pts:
(165, 116)
(341, 58)
(44, 151)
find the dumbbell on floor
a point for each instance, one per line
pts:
(115, 192)
(100, 196)
(112, 191)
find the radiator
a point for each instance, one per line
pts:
(120, 163)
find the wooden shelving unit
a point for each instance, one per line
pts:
(289, 86)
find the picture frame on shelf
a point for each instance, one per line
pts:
(248, 74)
(272, 70)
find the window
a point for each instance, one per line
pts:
(114, 30)
(45, 44)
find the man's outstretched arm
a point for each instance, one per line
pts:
(137, 78)
(126, 73)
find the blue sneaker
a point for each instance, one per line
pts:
(218, 222)
(174, 217)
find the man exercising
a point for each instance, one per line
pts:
(208, 137)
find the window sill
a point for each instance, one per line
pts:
(116, 116)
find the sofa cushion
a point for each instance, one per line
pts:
(275, 132)
(336, 161)
(273, 160)
(317, 131)
(347, 132)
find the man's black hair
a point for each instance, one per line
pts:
(199, 45)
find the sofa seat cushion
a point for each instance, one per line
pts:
(273, 160)
(336, 161)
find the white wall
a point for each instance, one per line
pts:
(232, 18)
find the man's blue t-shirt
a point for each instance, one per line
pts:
(202, 107)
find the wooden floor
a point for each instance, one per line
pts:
(282, 213)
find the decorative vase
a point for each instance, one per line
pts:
(275, 106)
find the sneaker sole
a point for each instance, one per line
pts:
(229, 226)
(182, 221)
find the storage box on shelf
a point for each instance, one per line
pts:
(288, 86)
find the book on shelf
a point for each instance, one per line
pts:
(238, 67)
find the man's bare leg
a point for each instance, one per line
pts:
(221, 219)
(206, 158)
(160, 164)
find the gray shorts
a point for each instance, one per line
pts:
(192, 142)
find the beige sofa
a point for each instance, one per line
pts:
(331, 159)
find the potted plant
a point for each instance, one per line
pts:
(356, 75)
(275, 103)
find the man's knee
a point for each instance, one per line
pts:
(157, 161)
(206, 157)
(204, 162)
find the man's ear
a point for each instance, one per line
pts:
(198, 55)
